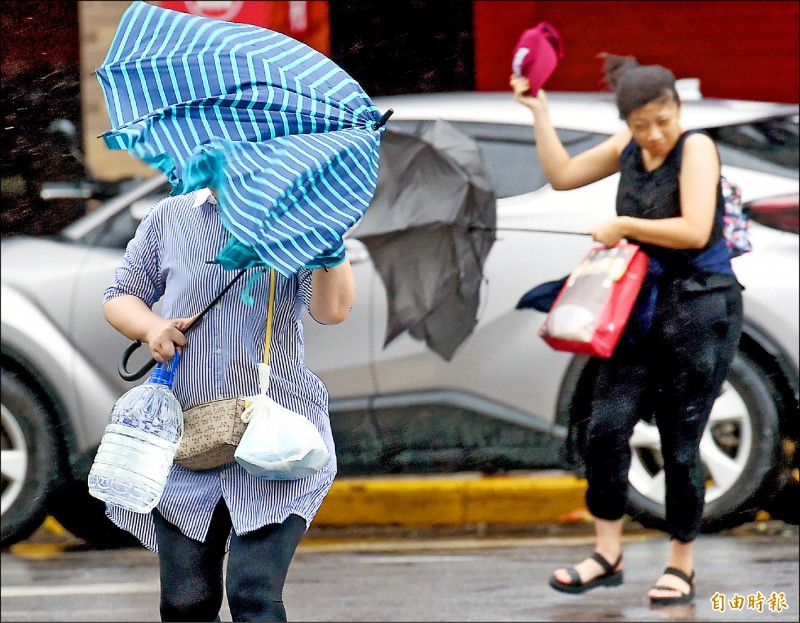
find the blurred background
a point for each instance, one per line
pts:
(53, 110)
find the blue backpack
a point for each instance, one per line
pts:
(735, 222)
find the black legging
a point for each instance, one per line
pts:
(191, 572)
(676, 373)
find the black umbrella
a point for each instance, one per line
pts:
(429, 229)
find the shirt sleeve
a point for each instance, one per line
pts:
(139, 274)
(304, 286)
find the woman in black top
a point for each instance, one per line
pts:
(678, 347)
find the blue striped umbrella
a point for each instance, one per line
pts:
(289, 140)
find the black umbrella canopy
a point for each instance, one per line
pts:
(429, 228)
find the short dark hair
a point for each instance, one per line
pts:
(637, 85)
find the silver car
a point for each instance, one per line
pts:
(502, 402)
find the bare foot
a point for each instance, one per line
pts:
(677, 587)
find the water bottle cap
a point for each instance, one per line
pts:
(164, 373)
(161, 376)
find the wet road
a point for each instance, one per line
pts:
(498, 578)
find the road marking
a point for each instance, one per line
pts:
(405, 559)
(88, 589)
(445, 544)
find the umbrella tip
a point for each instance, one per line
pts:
(382, 121)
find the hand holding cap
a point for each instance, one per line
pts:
(536, 55)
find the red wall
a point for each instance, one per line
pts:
(305, 21)
(743, 50)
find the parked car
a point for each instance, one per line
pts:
(501, 403)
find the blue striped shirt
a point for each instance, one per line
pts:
(166, 262)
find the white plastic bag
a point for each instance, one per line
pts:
(278, 444)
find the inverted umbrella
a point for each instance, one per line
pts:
(429, 229)
(289, 140)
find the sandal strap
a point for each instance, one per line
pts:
(689, 579)
(601, 560)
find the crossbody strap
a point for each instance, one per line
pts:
(273, 278)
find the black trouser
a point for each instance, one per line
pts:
(192, 572)
(675, 373)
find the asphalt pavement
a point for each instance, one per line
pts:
(453, 547)
(748, 574)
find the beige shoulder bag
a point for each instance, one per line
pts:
(212, 430)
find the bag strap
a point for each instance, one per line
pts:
(273, 278)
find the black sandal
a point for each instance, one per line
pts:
(682, 598)
(609, 578)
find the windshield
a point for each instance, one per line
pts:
(768, 146)
(509, 151)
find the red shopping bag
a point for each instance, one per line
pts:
(592, 309)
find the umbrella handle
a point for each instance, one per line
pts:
(382, 121)
(122, 368)
(123, 364)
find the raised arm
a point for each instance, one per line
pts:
(562, 171)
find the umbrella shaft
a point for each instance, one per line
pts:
(216, 298)
(537, 231)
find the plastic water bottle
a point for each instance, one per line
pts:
(138, 446)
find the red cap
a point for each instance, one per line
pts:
(536, 54)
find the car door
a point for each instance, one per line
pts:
(342, 355)
(97, 342)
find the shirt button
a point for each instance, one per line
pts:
(218, 306)
(219, 351)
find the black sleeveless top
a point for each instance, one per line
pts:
(656, 194)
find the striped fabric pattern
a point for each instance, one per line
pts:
(165, 262)
(282, 131)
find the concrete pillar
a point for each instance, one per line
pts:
(98, 23)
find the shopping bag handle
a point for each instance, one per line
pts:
(122, 368)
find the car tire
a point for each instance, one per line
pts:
(29, 460)
(783, 506)
(741, 444)
(84, 516)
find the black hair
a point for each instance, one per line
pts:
(637, 85)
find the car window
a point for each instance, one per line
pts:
(510, 151)
(768, 146)
(116, 231)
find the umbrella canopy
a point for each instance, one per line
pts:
(289, 140)
(429, 229)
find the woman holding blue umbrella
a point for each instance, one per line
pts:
(290, 143)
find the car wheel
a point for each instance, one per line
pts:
(740, 452)
(29, 460)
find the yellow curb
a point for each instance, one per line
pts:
(36, 551)
(51, 525)
(451, 502)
